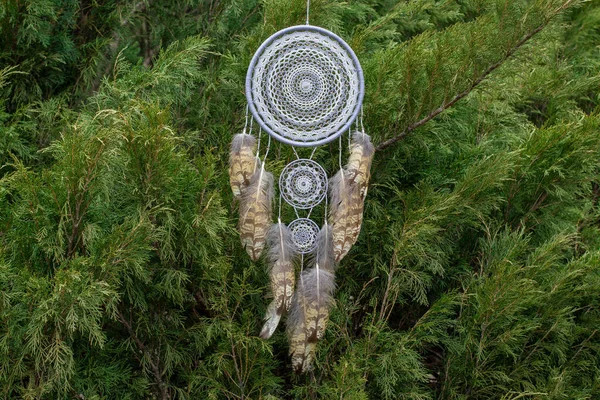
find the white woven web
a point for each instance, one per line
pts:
(305, 87)
(303, 183)
(304, 234)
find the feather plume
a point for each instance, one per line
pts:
(360, 159)
(308, 315)
(255, 212)
(339, 185)
(281, 270)
(324, 254)
(345, 213)
(348, 191)
(242, 162)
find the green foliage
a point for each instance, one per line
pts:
(477, 271)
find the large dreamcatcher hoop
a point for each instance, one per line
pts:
(304, 86)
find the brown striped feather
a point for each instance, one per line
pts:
(309, 314)
(282, 253)
(242, 162)
(255, 212)
(348, 191)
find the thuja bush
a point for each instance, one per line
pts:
(477, 271)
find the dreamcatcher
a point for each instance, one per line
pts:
(304, 88)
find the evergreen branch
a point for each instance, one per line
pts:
(473, 85)
(144, 350)
(595, 193)
(115, 42)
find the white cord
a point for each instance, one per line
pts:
(296, 153)
(279, 207)
(340, 156)
(257, 156)
(246, 120)
(307, 11)
(258, 144)
(361, 121)
(326, 209)
(268, 147)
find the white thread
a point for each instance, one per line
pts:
(268, 146)
(361, 121)
(340, 156)
(246, 120)
(279, 208)
(258, 142)
(325, 215)
(349, 140)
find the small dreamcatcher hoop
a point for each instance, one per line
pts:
(304, 234)
(303, 184)
(304, 86)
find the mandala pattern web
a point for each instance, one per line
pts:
(304, 234)
(303, 184)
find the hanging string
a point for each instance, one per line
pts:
(326, 211)
(268, 147)
(296, 153)
(279, 216)
(307, 11)
(258, 142)
(340, 156)
(257, 145)
(350, 137)
(361, 121)
(246, 120)
(313, 153)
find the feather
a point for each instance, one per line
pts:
(324, 254)
(348, 191)
(308, 315)
(339, 191)
(281, 271)
(242, 162)
(360, 159)
(255, 212)
(339, 185)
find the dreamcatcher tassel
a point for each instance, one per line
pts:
(242, 162)
(255, 212)
(282, 253)
(348, 191)
(311, 304)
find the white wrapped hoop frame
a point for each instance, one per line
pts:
(304, 86)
